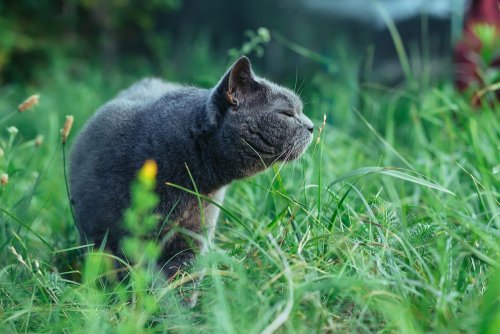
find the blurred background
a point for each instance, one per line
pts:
(330, 51)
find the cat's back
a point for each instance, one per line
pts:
(116, 117)
(123, 108)
(147, 90)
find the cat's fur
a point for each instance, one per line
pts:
(236, 129)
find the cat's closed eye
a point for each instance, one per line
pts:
(287, 113)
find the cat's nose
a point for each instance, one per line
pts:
(307, 122)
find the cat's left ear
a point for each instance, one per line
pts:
(241, 75)
(237, 82)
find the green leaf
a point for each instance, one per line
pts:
(393, 172)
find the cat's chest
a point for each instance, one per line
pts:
(204, 223)
(211, 213)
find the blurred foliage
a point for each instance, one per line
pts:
(488, 62)
(33, 32)
(255, 42)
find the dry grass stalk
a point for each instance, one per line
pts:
(4, 179)
(39, 140)
(66, 129)
(29, 103)
(321, 129)
(12, 130)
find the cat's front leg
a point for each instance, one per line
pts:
(211, 215)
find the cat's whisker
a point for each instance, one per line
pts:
(256, 152)
(282, 152)
(265, 166)
(276, 173)
(293, 168)
(300, 87)
(296, 77)
(289, 153)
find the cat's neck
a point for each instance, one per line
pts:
(225, 162)
(222, 152)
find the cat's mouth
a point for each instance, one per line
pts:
(290, 152)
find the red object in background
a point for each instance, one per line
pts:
(467, 50)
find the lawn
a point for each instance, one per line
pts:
(388, 223)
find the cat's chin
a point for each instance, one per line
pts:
(298, 151)
(294, 155)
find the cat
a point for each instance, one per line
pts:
(234, 130)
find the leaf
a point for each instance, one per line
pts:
(394, 173)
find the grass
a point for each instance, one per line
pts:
(389, 223)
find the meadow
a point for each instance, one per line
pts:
(388, 223)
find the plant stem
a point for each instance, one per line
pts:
(67, 186)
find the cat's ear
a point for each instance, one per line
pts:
(241, 75)
(236, 83)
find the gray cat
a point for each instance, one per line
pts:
(234, 130)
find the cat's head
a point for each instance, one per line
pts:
(259, 119)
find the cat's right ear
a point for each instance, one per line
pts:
(236, 83)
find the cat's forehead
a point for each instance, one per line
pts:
(281, 97)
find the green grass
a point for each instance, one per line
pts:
(389, 223)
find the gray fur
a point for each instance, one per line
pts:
(234, 130)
